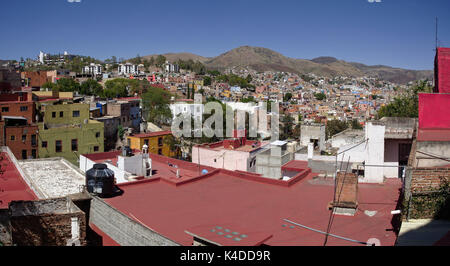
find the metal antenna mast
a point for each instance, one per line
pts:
(437, 44)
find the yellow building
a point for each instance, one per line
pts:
(156, 142)
(226, 93)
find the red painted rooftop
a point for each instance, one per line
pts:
(254, 208)
(12, 185)
(296, 164)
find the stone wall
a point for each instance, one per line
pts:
(46, 223)
(5, 228)
(46, 229)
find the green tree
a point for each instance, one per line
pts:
(156, 106)
(91, 87)
(249, 78)
(213, 73)
(67, 85)
(160, 60)
(250, 99)
(355, 124)
(207, 81)
(406, 105)
(287, 97)
(287, 127)
(120, 132)
(297, 130)
(49, 85)
(334, 127)
(320, 96)
(117, 88)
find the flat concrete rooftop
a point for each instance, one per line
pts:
(54, 177)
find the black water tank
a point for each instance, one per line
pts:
(100, 181)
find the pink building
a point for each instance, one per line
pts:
(231, 154)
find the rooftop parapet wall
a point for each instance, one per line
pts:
(442, 70)
(123, 229)
(434, 111)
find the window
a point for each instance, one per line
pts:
(95, 148)
(146, 141)
(160, 151)
(74, 145)
(97, 135)
(23, 108)
(13, 138)
(76, 113)
(33, 140)
(24, 154)
(160, 141)
(58, 146)
(5, 109)
(53, 114)
(61, 114)
(24, 138)
(44, 144)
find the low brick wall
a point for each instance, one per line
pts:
(428, 193)
(429, 179)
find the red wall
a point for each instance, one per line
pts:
(434, 110)
(442, 70)
(17, 145)
(14, 110)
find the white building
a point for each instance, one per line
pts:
(93, 69)
(127, 69)
(171, 68)
(41, 57)
(125, 168)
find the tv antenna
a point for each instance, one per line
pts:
(437, 41)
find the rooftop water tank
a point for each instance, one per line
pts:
(100, 180)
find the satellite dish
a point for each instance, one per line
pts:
(373, 242)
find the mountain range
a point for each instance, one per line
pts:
(263, 59)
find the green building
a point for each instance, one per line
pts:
(67, 131)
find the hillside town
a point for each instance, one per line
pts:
(82, 138)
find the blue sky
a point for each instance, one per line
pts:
(397, 33)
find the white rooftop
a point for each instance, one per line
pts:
(278, 143)
(54, 177)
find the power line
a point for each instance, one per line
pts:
(321, 232)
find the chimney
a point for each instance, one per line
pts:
(310, 151)
(346, 194)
